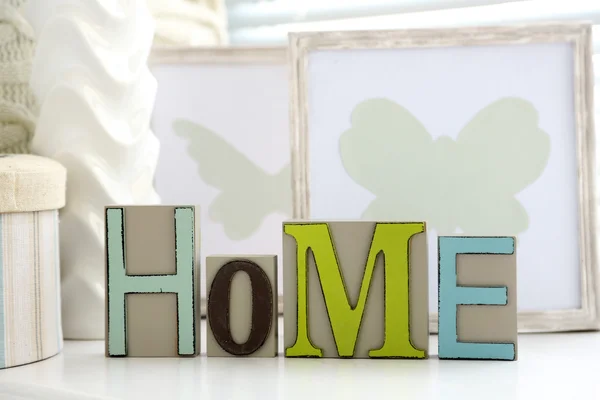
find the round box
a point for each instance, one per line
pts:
(32, 189)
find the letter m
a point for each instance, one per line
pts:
(392, 241)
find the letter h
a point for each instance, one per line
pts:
(120, 284)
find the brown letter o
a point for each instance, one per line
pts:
(262, 307)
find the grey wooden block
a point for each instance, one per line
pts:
(325, 325)
(152, 299)
(241, 305)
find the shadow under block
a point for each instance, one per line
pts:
(478, 298)
(338, 302)
(241, 306)
(152, 274)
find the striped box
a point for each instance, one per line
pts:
(30, 309)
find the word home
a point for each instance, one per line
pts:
(352, 289)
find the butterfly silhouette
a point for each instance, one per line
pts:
(247, 193)
(467, 184)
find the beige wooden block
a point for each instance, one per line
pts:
(242, 306)
(152, 299)
(480, 324)
(343, 304)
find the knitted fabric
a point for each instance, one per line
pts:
(17, 102)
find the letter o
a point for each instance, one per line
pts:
(219, 303)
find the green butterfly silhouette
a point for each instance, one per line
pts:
(469, 183)
(248, 193)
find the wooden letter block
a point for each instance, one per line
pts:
(152, 278)
(477, 298)
(242, 306)
(355, 289)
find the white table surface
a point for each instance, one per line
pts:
(564, 366)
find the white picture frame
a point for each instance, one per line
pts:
(236, 101)
(425, 72)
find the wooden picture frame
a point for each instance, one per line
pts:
(227, 67)
(325, 72)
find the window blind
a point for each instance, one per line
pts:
(253, 13)
(267, 22)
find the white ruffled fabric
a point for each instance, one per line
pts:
(96, 94)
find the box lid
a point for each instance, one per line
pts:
(31, 183)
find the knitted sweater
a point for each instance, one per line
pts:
(17, 103)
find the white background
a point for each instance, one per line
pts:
(444, 88)
(245, 104)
